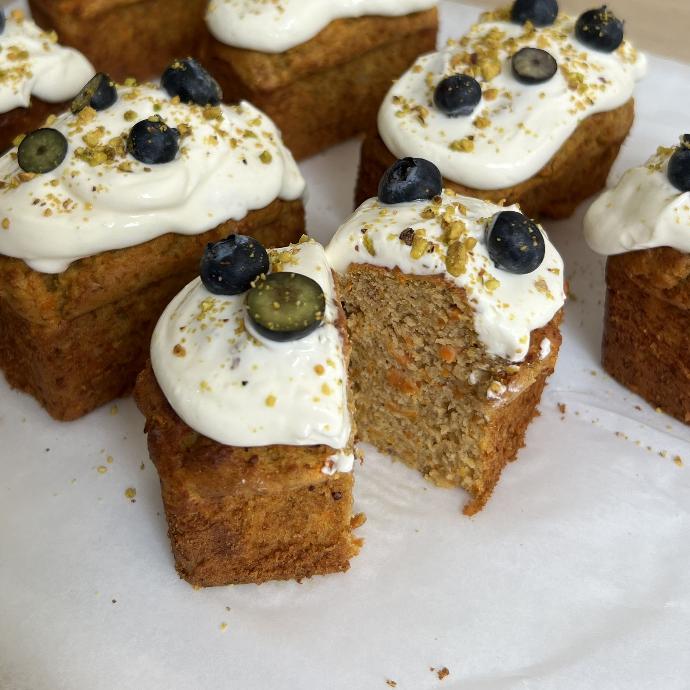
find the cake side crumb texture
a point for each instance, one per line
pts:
(422, 379)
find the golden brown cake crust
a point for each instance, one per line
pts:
(23, 120)
(241, 515)
(329, 88)
(411, 379)
(647, 327)
(125, 38)
(78, 339)
(579, 169)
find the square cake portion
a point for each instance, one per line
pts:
(453, 308)
(92, 250)
(126, 38)
(252, 436)
(319, 74)
(642, 225)
(527, 112)
(37, 76)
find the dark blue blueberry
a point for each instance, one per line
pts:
(191, 82)
(2, 20)
(99, 93)
(600, 29)
(457, 95)
(152, 141)
(679, 165)
(410, 179)
(533, 66)
(229, 267)
(515, 243)
(539, 12)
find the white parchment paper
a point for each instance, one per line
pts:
(576, 575)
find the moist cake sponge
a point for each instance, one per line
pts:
(421, 382)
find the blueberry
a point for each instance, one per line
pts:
(539, 12)
(515, 243)
(679, 165)
(152, 141)
(2, 20)
(286, 306)
(42, 151)
(600, 29)
(410, 179)
(457, 95)
(191, 82)
(229, 267)
(533, 66)
(99, 93)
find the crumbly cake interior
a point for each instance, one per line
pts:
(425, 390)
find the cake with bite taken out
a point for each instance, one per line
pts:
(126, 38)
(318, 69)
(530, 106)
(453, 307)
(248, 417)
(105, 214)
(37, 75)
(643, 226)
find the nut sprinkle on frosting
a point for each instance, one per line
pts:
(235, 386)
(449, 236)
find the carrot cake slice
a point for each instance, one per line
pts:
(529, 106)
(248, 418)
(453, 308)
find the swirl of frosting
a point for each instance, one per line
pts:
(32, 63)
(517, 128)
(507, 307)
(643, 211)
(237, 388)
(231, 161)
(274, 27)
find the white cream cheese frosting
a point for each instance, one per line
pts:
(33, 64)
(231, 161)
(516, 129)
(643, 211)
(507, 307)
(274, 26)
(240, 389)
